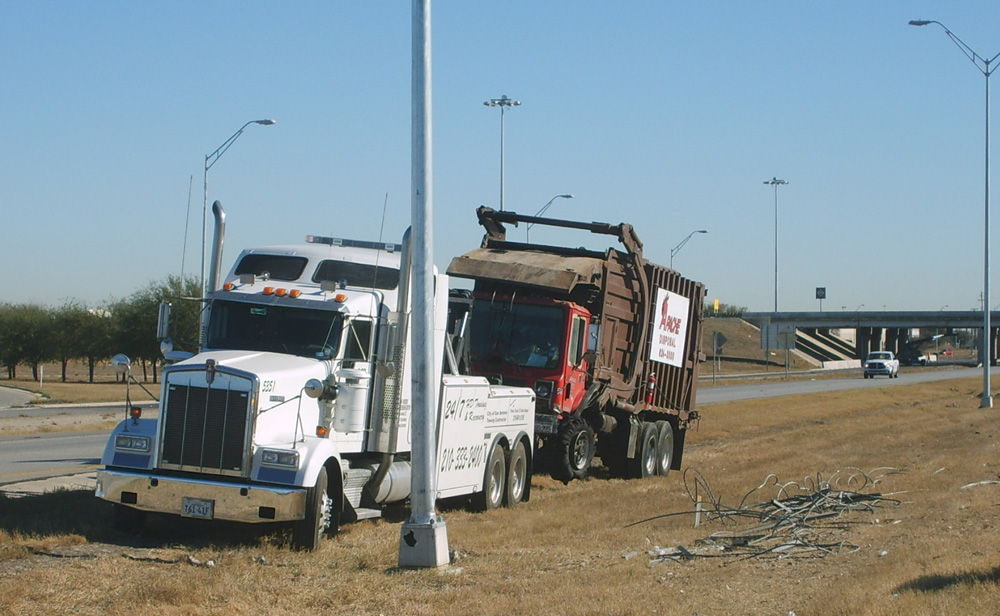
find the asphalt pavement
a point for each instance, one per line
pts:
(13, 397)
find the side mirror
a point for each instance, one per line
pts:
(163, 321)
(593, 333)
(121, 363)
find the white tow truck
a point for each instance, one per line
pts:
(297, 408)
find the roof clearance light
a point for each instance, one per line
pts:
(294, 293)
(268, 290)
(281, 292)
(322, 431)
(228, 286)
(340, 297)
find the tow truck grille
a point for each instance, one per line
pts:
(205, 430)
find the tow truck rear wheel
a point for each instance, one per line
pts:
(307, 534)
(517, 476)
(574, 450)
(492, 495)
(664, 447)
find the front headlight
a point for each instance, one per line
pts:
(277, 457)
(127, 442)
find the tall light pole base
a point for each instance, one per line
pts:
(986, 402)
(424, 544)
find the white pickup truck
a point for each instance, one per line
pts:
(881, 362)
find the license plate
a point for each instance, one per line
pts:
(198, 508)
(546, 424)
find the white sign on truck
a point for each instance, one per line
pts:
(670, 332)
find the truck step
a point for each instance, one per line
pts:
(354, 484)
(367, 514)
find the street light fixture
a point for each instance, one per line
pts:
(545, 207)
(503, 102)
(774, 181)
(210, 160)
(983, 65)
(678, 247)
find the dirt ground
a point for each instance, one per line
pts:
(913, 473)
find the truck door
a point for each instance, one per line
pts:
(576, 377)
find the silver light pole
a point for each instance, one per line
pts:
(776, 183)
(545, 207)
(986, 401)
(678, 247)
(423, 540)
(210, 161)
(502, 102)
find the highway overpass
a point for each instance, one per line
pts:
(881, 330)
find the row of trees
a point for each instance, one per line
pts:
(31, 335)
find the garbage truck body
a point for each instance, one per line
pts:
(609, 341)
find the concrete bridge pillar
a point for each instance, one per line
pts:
(895, 338)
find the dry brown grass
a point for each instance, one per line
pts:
(564, 552)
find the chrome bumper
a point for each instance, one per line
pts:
(234, 502)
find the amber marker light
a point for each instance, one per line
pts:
(268, 290)
(294, 293)
(322, 431)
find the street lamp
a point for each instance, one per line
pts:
(983, 65)
(502, 102)
(527, 229)
(210, 160)
(678, 247)
(775, 182)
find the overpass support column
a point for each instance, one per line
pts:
(894, 339)
(863, 342)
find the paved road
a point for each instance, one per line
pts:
(24, 458)
(774, 388)
(14, 397)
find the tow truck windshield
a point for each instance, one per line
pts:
(280, 329)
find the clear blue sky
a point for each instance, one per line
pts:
(669, 115)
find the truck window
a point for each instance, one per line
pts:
(277, 267)
(525, 335)
(359, 340)
(357, 274)
(577, 341)
(279, 329)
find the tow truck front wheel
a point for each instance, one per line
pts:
(575, 450)
(307, 534)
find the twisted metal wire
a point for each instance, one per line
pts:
(807, 518)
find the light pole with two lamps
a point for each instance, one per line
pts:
(210, 160)
(678, 247)
(774, 181)
(503, 102)
(545, 207)
(986, 401)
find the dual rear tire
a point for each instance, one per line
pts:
(654, 453)
(505, 480)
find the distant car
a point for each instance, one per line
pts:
(881, 362)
